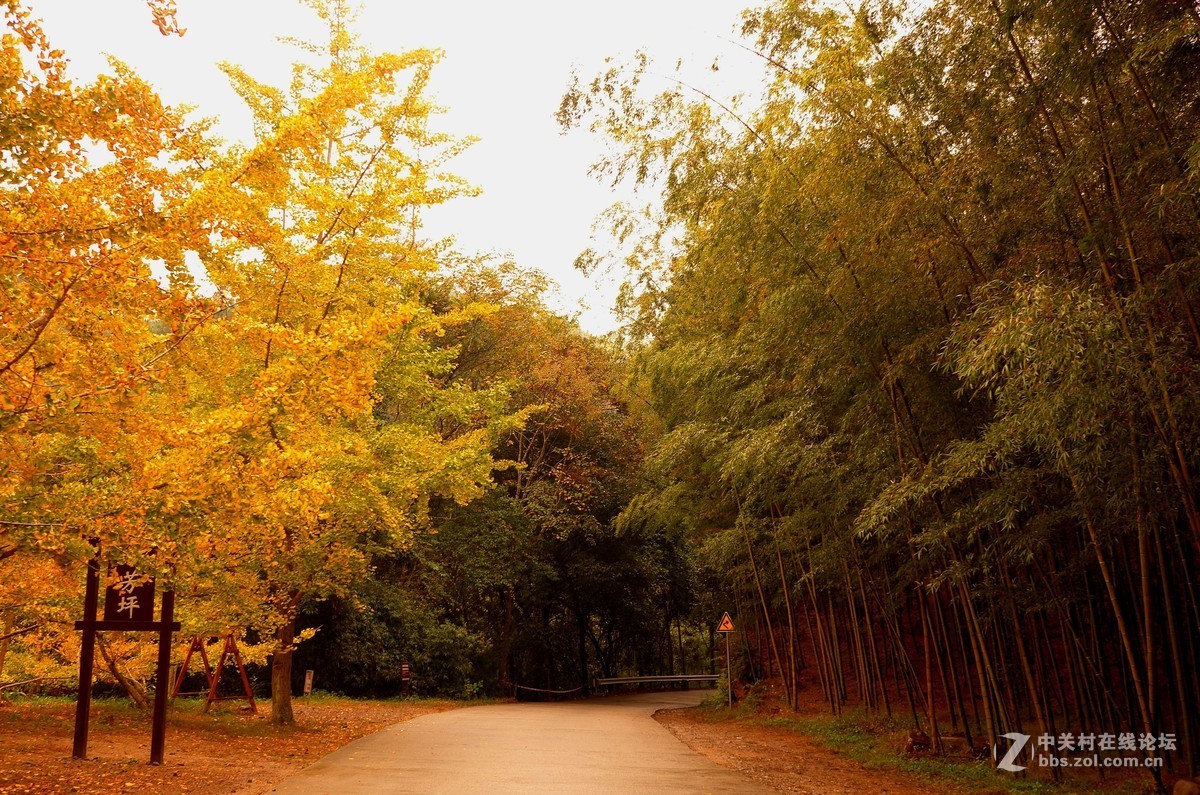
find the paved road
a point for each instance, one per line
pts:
(601, 745)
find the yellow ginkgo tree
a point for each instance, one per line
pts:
(314, 407)
(97, 183)
(251, 430)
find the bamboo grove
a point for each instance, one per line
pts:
(921, 330)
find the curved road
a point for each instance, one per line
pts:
(600, 745)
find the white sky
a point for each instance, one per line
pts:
(506, 67)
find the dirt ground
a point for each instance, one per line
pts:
(793, 762)
(787, 761)
(230, 752)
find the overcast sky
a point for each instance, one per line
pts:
(506, 67)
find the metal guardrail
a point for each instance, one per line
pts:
(546, 690)
(655, 680)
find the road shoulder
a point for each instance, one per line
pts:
(785, 761)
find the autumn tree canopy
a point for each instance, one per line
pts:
(908, 377)
(252, 436)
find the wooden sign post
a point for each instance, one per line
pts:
(726, 629)
(128, 607)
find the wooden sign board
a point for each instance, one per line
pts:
(131, 598)
(308, 677)
(726, 624)
(128, 607)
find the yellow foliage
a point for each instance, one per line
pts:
(225, 436)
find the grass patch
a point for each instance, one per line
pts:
(326, 699)
(876, 742)
(52, 714)
(57, 712)
(871, 743)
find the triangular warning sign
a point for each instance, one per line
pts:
(726, 624)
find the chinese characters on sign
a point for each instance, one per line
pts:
(131, 598)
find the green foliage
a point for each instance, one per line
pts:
(361, 644)
(533, 583)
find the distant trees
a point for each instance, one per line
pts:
(536, 581)
(927, 355)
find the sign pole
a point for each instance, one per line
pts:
(725, 628)
(728, 672)
(158, 730)
(87, 658)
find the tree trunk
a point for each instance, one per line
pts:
(5, 628)
(774, 647)
(281, 676)
(505, 650)
(132, 687)
(581, 627)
